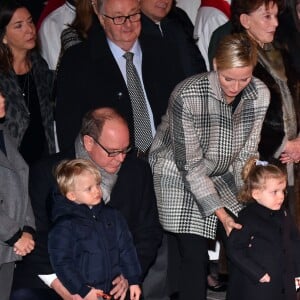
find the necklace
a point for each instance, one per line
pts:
(24, 84)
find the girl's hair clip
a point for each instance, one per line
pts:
(261, 163)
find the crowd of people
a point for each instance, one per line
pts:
(133, 133)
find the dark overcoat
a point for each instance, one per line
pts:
(267, 243)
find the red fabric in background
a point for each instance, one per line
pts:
(50, 7)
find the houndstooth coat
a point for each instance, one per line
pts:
(199, 150)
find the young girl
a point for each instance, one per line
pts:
(265, 252)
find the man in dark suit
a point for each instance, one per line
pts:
(165, 20)
(96, 67)
(126, 184)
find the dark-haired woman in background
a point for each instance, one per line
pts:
(26, 83)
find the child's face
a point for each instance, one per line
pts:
(86, 189)
(272, 195)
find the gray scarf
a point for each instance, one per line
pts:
(107, 180)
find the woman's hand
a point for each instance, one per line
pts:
(291, 152)
(227, 221)
(24, 245)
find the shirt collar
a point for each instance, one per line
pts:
(118, 52)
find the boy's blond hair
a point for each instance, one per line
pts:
(66, 172)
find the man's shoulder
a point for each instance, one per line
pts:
(134, 165)
(49, 162)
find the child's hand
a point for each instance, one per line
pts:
(24, 245)
(265, 278)
(92, 295)
(135, 292)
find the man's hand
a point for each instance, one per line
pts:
(120, 288)
(265, 278)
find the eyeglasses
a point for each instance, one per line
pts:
(120, 20)
(112, 153)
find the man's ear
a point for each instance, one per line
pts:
(71, 196)
(88, 142)
(101, 19)
(245, 21)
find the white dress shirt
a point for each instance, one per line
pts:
(137, 61)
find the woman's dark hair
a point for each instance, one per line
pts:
(7, 10)
(84, 17)
(239, 7)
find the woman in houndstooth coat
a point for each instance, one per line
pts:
(212, 126)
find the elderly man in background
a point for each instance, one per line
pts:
(104, 65)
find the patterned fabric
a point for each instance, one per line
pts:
(17, 118)
(199, 150)
(142, 126)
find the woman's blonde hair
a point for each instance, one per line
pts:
(255, 174)
(66, 172)
(235, 51)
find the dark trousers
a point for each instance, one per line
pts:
(34, 294)
(188, 262)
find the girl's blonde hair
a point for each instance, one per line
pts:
(255, 176)
(66, 172)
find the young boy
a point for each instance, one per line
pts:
(89, 244)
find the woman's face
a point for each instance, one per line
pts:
(2, 106)
(20, 32)
(234, 80)
(262, 23)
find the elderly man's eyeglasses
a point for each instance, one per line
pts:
(120, 20)
(112, 153)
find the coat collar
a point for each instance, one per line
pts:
(249, 93)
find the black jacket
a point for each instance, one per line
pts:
(267, 243)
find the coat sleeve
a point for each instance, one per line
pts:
(238, 246)
(70, 98)
(250, 148)
(129, 262)
(148, 235)
(189, 155)
(60, 246)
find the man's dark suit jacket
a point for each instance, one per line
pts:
(89, 77)
(133, 195)
(177, 30)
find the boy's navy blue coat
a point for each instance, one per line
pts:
(90, 247)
